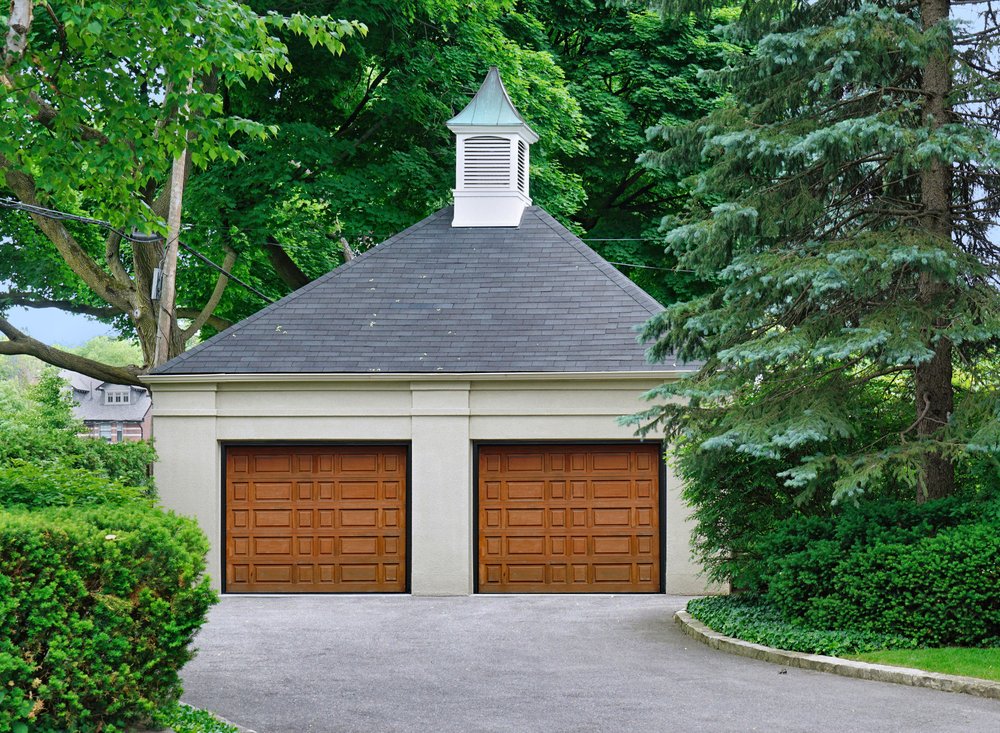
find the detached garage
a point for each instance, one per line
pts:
(438, 415)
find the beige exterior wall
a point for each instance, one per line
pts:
(441, 417)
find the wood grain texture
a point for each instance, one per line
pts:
(569, 518)
(316, 519)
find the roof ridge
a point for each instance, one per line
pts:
(607, 269)
(295, 294)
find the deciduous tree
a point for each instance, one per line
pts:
(98, 98)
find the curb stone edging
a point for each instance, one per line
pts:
(845, 667)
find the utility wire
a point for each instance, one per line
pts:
(148, 238)
(57, 215)
(231, 276)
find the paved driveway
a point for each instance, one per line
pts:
(523, 663)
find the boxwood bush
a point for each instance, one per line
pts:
(97, 608)
(929, 573)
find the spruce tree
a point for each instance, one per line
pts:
(841, 204)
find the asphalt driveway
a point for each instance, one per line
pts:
(282, 664)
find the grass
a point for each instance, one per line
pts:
(982, 663)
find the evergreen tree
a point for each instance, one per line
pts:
(843, 201)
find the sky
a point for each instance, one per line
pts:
(53, 326)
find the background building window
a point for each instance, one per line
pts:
(117, 396)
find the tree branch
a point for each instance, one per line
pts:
(213, 301)
(104, 285)
(21, 343)
(216, 322)
(31, 301)
(362, 104)
(18, 25)
(284, 266)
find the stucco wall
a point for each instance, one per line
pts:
(440, 418)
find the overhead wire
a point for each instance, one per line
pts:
(147, 239)
(57, 215)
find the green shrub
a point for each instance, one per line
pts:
(37, 426)
(758, 622)
(736, 499)
(928, 572)
(940, 590)
(97, 608)
(182, 718)
(31, 486)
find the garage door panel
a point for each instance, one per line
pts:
(569, 519)
(334, 522)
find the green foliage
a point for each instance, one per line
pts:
(735, 500)
(182, 718)
(361, 149)
(107, 350)
(982, 663)
(928, 572)
(806, 214)
(738, 498)
(37, 428)
(128, 86)
(97, 609)
(760, 623)
(630, 69)
(31, 486)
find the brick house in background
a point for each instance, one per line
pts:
(112, 412)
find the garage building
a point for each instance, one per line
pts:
(438, 415)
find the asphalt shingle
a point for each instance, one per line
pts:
(437, 298)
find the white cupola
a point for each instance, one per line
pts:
(491, 167)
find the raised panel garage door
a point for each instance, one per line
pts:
(569, 518)
(315, 519)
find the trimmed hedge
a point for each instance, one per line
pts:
(97, 609)
(929, 573)
(758, 622)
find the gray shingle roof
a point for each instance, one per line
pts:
(88, 393)
(435, 298)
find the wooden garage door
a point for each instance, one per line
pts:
(569, 519)
(315, 519)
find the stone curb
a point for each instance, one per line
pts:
(845, 667)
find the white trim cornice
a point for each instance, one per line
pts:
(664, 375)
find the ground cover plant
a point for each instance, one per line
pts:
(884, 574)
(758, 622)
(182, 718)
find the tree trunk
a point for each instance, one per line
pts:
(932, 379)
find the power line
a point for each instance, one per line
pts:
(651, 267)
(231, 276)
(57, 215)
(149, 238)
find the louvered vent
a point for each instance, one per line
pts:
(487, 162)
(522, 167)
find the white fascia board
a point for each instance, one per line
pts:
(664, 375)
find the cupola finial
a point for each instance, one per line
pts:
(491, 168)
